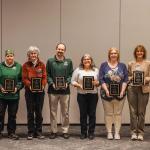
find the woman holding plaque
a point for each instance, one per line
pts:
(113, 78)
(10, 86)
(34, 78)
(85, 79)
(138, 91)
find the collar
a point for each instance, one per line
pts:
(58, 59)
(7, 65)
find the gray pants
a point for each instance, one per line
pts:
(137, 105)
(64, 105)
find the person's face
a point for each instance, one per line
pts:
(33, 56)
(87, 62)
(139, 54)
(113, 55)
(60, 50)
(9, 58)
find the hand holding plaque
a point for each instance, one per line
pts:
(88, 83)
(60, 83)
(9, 85)
(114, 89)
(138, 78)
(36, 84)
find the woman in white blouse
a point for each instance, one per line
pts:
(85, 79)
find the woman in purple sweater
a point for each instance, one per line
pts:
(113, 78)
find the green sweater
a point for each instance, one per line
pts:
(13, 72)
(57, 68)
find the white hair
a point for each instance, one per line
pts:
(33, 49)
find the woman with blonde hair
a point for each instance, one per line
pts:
(113, 77)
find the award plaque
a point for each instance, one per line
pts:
(88, 83)
(138, 78)
(60, 82)
(36, 84)
(9, 85)
(114, 89)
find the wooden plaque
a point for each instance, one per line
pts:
(114, 89)
(138, 78)
(88, 83)
(60, 82)
(36, 84)
(9, 85)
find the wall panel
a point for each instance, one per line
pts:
(134, 30)
(31, 22)
(89, 27)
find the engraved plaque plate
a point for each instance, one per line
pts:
(60, 83)
(36, 84)
(114, 89)
(88, 82)
(9, 85)
(138, 78)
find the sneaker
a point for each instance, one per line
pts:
(66, 135)
(134, 137)
(30, 136)
(13, 136)
(140, 137)
(91, 136)
(39, 135)
(83, 136)
(53, 135)
(110, 136)
(117, 136)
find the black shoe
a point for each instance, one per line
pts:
(13, 136)
(66, 135)
(83, 136)
(53, 135)
(91, 136)
(39, 135)
(30, 136)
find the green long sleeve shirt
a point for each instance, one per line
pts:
(14, 72)
(57, 68)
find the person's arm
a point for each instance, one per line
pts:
(147, 78)
(44, 76)
(70, 73)
(125, 81)
(74, 79)
(101, 79)
(130, 76)
(25, 79)
(96, 81)
(49, 73)
(19, 84)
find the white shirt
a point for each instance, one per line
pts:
(77, 77)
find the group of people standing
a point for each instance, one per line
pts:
(113, 77)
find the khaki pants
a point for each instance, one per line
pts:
(137, 105)
(113, 114)
(64, 105)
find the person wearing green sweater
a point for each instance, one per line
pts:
(59, 72)
(10, 86)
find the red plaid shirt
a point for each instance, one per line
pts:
(29, 71)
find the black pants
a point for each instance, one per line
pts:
(87, 105)
(12, 106)
(34, 103)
